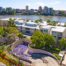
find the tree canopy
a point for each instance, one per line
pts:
(11, 22)
(37, 39)
(62, 43)
(41, 40)
(49, 41)
(52, 22)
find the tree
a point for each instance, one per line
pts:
(13, 12)
(39, 20)
(61, 13)
(48, 21)
(20, 35)
(40, 40)
(62, 43)
(52, 22)
(3, 33)
(1, 49)
(13, 30)
(11, 22)
(37, 39)
(65, 25)
(49, 41)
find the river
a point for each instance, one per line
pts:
(34, 17)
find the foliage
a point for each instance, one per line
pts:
(9, 34)
(57, 56)
(9, 58)
(49, 41)
(4, 61)
(11, 22)
(20, 35)
(39, 20)
(37, 39)
(52, 22)
(1, 49)
(61, 13)
(2, 32)
(62, 43)
(41, 40)
(8, 11)
(22, 64)
(65, 25)
(13, 30)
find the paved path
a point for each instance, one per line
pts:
(50, 60)
(64, 61)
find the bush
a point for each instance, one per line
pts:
(40, 40)
(62, 43)
(37, 39)
(1, 51)
(57, 56)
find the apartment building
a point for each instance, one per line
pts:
(19, 24)
(58, 32)
(46, 29)
(28, 28)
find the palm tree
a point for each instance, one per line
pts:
(11, 22)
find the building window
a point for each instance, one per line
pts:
(53, 33)
(17, 23)
(54, 36)
(27, 28)
(45, 30)
(41, 30)
(59, 38)
(31, 25)
(60, 34)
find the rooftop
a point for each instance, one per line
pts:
(47, 27)
(58, 29)
(20, 21)
(44, 23)
(31, 25)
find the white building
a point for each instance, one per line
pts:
(58, 32)
(60, 24)
(44, 23)
(19, 24)
(46, 29)
(29, 28)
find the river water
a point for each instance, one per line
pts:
(34, 17)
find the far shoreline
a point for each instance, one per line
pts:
(33, 15)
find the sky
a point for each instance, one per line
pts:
(56, 4)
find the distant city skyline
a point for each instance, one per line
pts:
(34, 4)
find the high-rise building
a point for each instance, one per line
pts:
(27, 8)
(40, 9)
(1, 9)
(31, 11)
(50, 11)
(45, 10)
